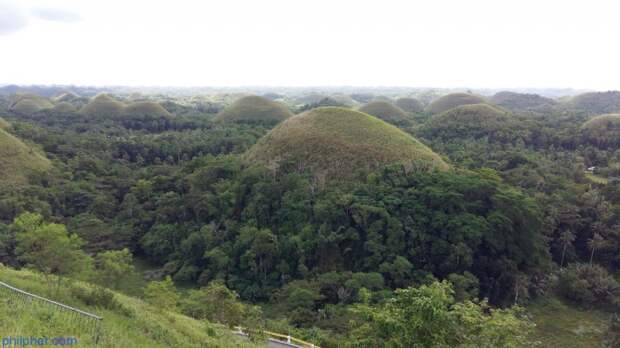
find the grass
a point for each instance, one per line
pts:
(336, 143)
(453, 100)
(385, 111)
(4, 124)
(134, 324)
(254, 109)
(560, 325)
(18, 160)
(103, 105)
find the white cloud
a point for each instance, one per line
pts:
(437, 43)
(55, 14)
(12, 17)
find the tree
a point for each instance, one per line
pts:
(428, 316)
(567, 237)
(595, 243)
(162, 294)
(49, 249)
(215, 302)
(115, 268)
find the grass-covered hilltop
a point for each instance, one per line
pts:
(521, 101)
(337, 143)
(468, 121)
(386, 111)
(18, 160)
(103, 105)
(453, 100)
(28, 103)
(254, 109)
(409, 104)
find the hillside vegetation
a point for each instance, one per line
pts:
(4, 124)
(453, 100)
(602, 130)
(131, 323)
(18, 160)
(65, 108)
(254, 109)
(335, 142)
(386, 111)
(468, 121)
(596, 103)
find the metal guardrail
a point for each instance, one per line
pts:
(280, 338)
(26, 295)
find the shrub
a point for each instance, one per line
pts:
(589, 285)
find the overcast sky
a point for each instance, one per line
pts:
(434, 43)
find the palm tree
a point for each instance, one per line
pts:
(567, 237)
(596, 242)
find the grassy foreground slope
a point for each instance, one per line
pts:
(561, 325)
(336, 143)
(18, 160)
(134, 324)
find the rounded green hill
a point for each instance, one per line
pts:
(18, 160)
(64, 108)
(103, 105)
(597, 103)
(521, 101)
(409, 104)
(453, 100)
(339, 143)
(254, 109)
(28, 104)
(385, 111)
(468, 121)
(603, 129)
(146, 109)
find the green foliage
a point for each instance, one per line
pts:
(590, 285)
(337, 143)
(217, 303)
(48, 248)
(428, 316)
(115, 269)
(162, 294)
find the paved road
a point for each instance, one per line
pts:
(275, 343)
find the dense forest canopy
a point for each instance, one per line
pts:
(319, 213)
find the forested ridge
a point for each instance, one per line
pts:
(527, 209)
